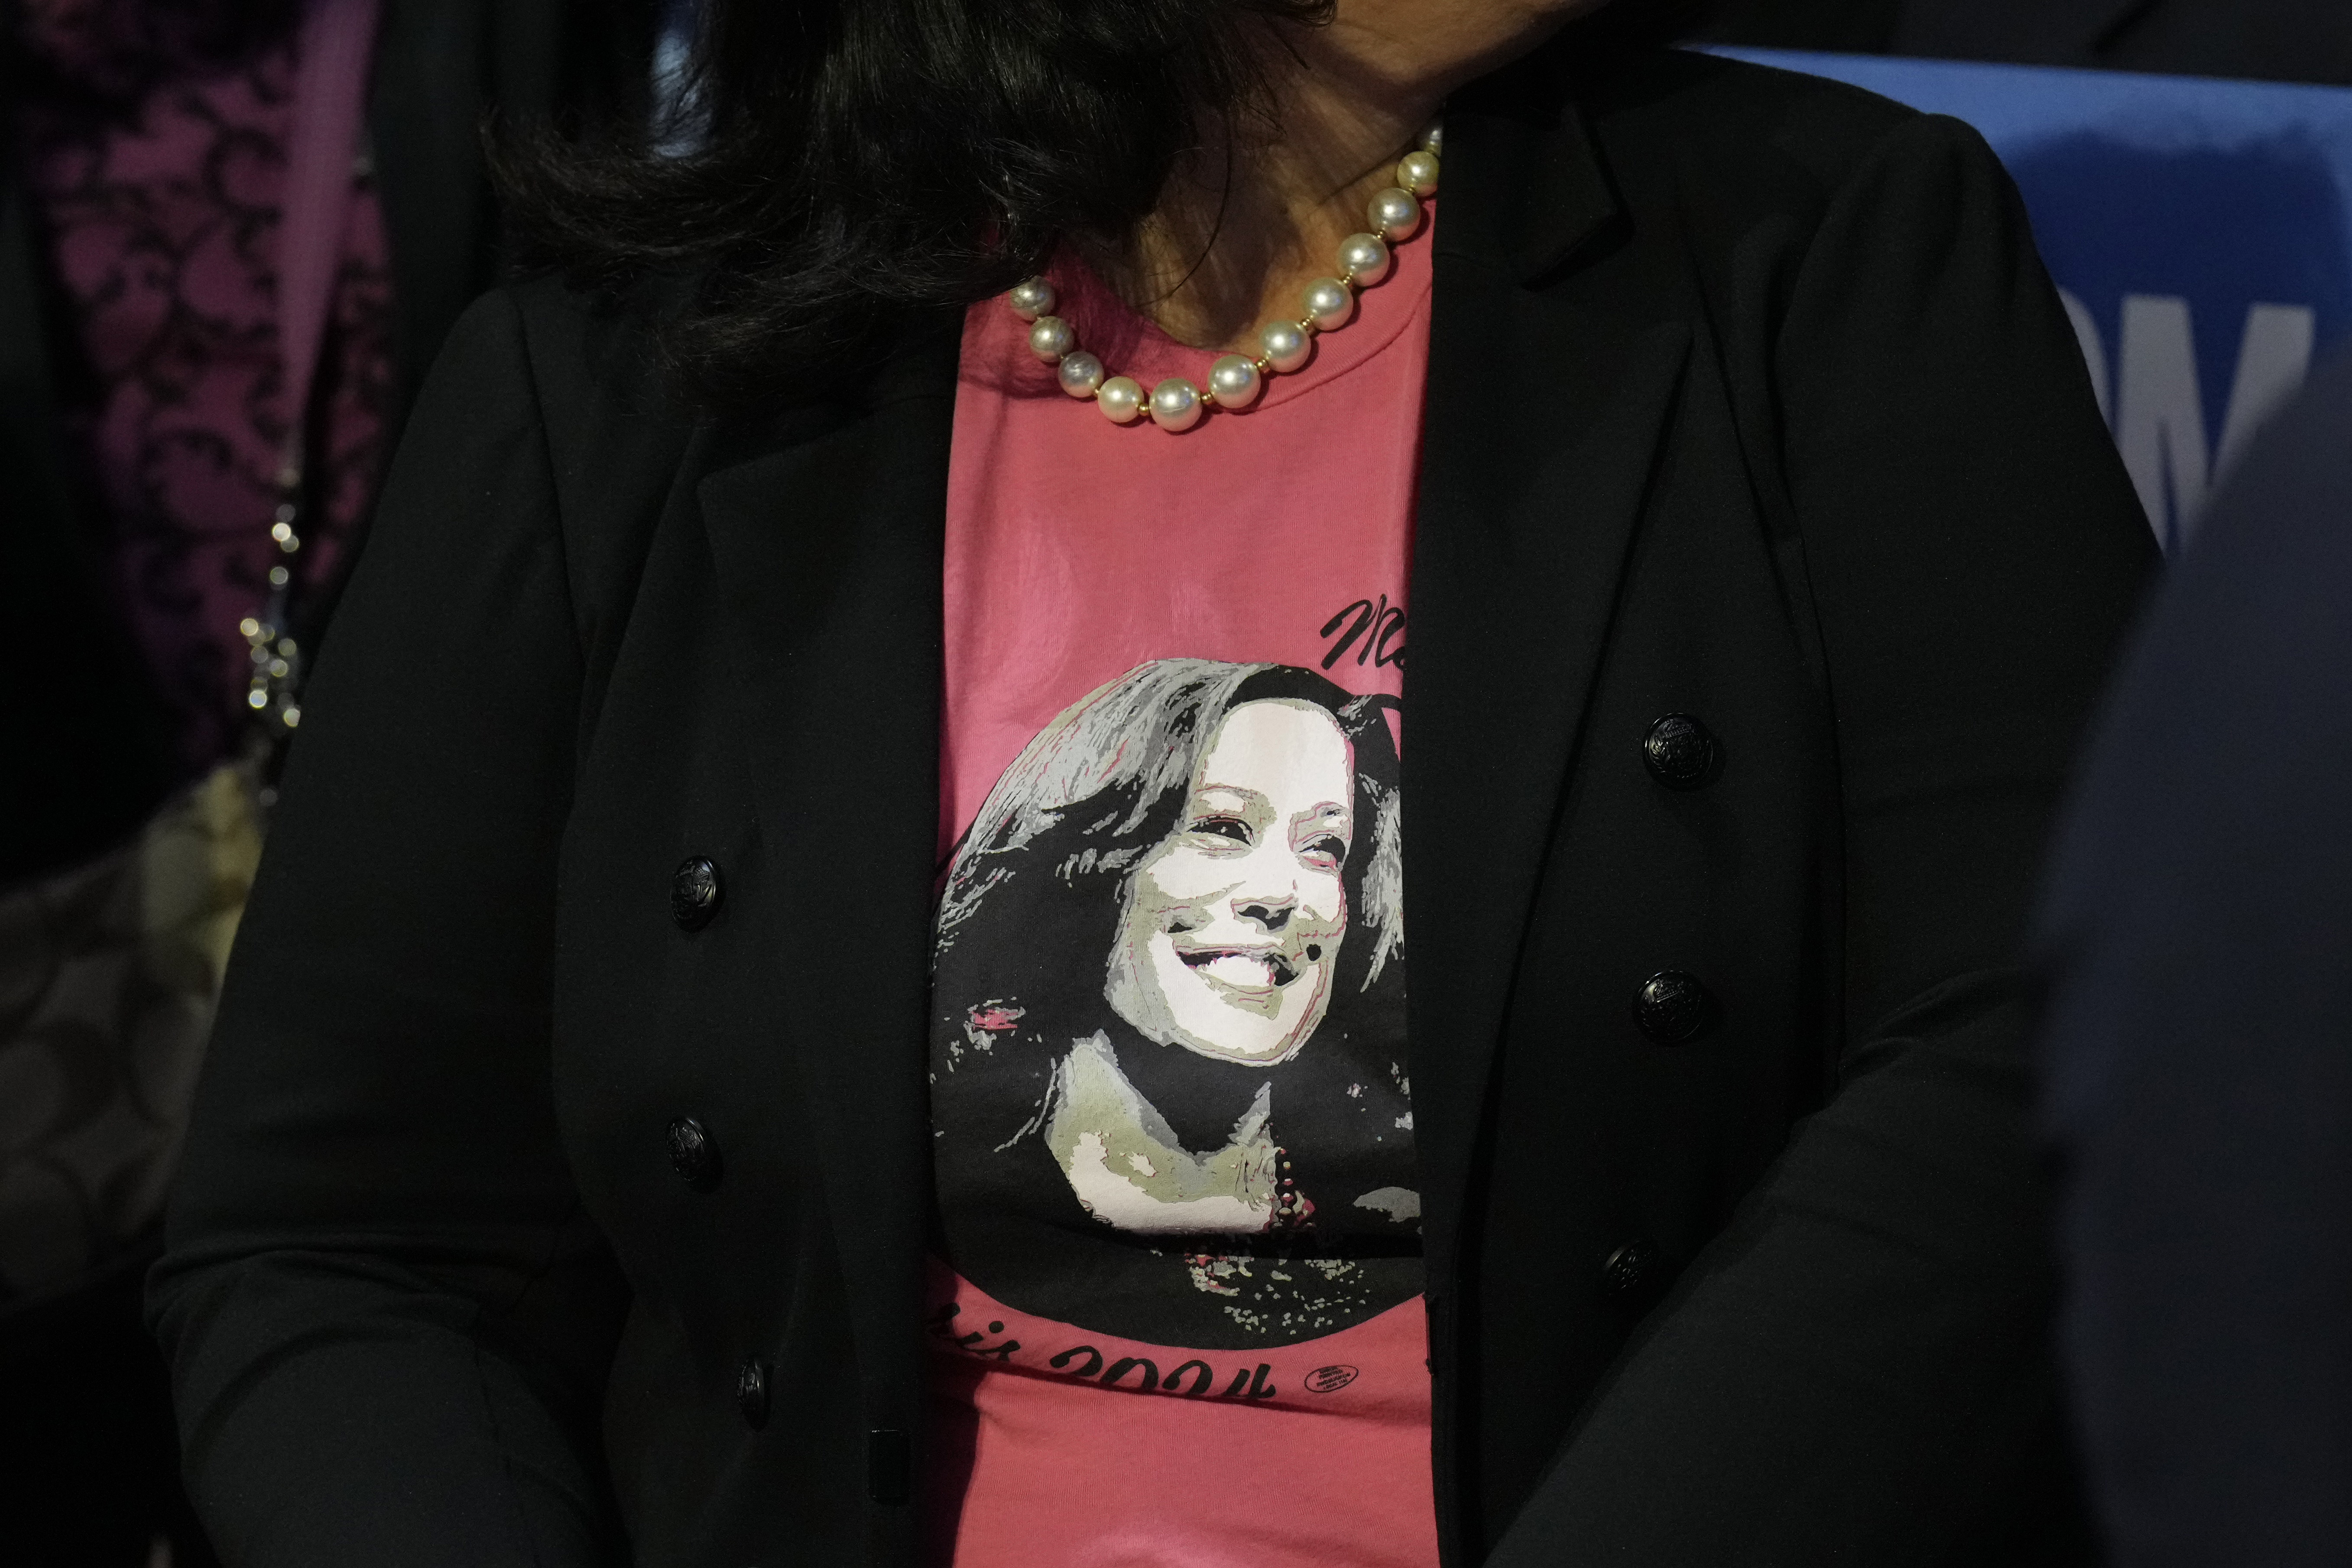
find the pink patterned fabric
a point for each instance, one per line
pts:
(155, 149)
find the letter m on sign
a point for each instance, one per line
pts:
(2154, 402)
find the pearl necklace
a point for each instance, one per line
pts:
(1236, 380)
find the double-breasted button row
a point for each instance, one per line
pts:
(693, 1155)
(695, 894)
(1673, 1008)
(1680, 751)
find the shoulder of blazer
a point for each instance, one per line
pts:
(625, 449)
(1741, 112)
(1730, 134)
(1588, 156)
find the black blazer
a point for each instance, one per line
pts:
(2288, 40)
(89, 754)
(1748, 399)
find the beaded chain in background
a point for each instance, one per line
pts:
(1236, 380)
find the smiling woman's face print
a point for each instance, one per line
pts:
(1168, 1081)
(1231, 926)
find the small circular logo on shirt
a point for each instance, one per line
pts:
(1330, 1379)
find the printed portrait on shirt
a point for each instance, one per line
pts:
(1169, 1037)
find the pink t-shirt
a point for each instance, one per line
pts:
(1177, 1319)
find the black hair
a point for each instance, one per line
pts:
(859, 157)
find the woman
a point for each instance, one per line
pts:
(1231, 867)
(576, 1174)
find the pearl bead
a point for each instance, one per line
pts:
(1329, 303)
(1286, 347)
(1394, 213)
(1031, 299)
(1176, 403)
(1081, 374)
(1052, 338)
(1364, 258)
(1120, 398)
(1233, 381)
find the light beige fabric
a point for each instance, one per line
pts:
(109, 974)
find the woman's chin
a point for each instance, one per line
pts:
(1251, 1049)
(1251, 1027)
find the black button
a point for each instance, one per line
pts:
(751, 1392)
(693, 1155)
(695, 894)
(1672, 1007)
(1680, 752)
(889, 1465)
(1631, 1269)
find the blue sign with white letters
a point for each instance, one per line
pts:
(2200, 231)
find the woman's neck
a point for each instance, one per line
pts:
(1259, 208)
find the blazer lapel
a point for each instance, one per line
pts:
(1542, 424)
(828, 555)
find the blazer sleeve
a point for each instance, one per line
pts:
(1857, 1369)
(388, 1321)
